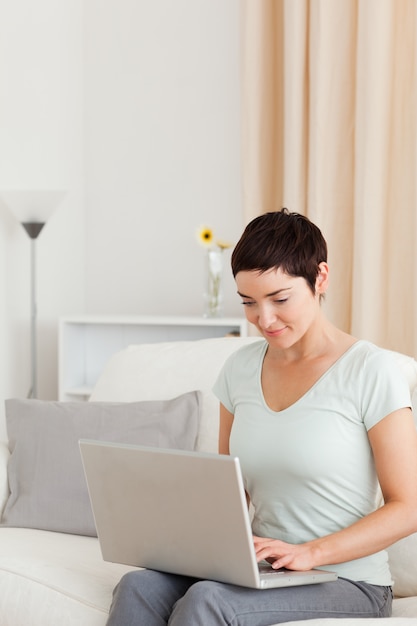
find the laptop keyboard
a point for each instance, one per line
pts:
(266, 568)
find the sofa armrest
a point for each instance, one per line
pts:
(4, 483)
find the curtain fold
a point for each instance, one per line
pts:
(329, 113)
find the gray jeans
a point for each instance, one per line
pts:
(150, 598)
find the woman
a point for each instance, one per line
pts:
(318, 420)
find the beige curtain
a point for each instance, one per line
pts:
(329, 111)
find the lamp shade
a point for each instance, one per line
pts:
(32, 206)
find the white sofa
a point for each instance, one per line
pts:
(49, 578)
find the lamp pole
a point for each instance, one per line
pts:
(32, 208)
(33, 229)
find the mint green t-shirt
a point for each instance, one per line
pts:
(309, 469)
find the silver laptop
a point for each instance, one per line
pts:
(178, 512)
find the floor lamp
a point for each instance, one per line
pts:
(32, 209)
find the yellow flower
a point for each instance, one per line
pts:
(205, 236)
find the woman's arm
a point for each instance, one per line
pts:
(226, 422)
(394, 446)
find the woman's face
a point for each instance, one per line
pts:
(282, 307)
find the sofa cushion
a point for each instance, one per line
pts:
(46, 479)
(136, 372)
(403, 566)
(53, 578)
(4, 483)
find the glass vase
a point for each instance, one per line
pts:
(213, 297)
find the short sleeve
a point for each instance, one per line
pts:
(384, 387)
(240, 372)
(221, 387)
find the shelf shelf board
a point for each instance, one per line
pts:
(79, 392)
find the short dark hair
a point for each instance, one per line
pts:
(281, 239)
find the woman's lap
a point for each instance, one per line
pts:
(156, 599)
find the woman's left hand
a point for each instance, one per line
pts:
(281, 554)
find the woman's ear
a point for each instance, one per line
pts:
(322, 280)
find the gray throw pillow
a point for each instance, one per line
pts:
(48, 490)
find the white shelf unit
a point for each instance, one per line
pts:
(86, 343)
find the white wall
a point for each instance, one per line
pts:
(134, 107)
(162, 138)
(41, 146)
